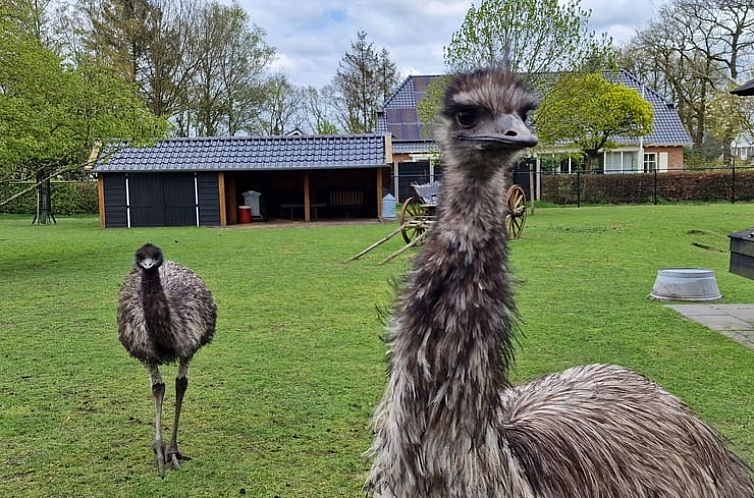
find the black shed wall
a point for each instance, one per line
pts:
(161, 199)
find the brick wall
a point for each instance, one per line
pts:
(675, 155)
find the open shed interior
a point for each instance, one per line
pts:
(333, 194)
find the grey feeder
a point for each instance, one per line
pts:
(685, 284)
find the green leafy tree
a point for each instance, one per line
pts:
(52, 114)
(532, 37)
(588, 111)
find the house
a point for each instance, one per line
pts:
(661, 150)
(201, 181)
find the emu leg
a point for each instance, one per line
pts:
(181, 384)
(158, 393)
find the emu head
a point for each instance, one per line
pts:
(148, 258)
(482, 125)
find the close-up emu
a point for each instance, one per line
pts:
(165, 314)
(450, 424)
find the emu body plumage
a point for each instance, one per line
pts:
(165, 314)
(450, 425)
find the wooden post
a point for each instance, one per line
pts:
(307, 204)
(223, 207)
(101, 199)
(379, 193)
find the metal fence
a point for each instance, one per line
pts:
(713, 184)
(734, 183)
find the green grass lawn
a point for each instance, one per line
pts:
(279, 403)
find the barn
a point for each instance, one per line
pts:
(202, 181)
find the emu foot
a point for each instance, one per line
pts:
(174, 457)
(159, 456)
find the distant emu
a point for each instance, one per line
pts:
(165, 313)
(450, 425)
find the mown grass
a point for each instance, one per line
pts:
(279, 403)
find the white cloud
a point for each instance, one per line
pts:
(311, 36)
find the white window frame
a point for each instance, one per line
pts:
(650, 159)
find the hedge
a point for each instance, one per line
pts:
(672, 186)
(67, 198)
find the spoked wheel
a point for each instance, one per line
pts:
(515, 218)
(414, 219)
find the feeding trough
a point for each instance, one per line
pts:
(685, 284)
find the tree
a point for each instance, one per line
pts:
(318, 109)
(692, 52)
(281, 108)
(228, 88)
(363, 81)
(151, 43)
(52, 114)
(587, 110)
(531, 37)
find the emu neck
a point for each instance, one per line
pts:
(454, 332)
(156, 308)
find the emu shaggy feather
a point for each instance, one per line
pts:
(165, 315)
(451, 426)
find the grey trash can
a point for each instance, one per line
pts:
(251, 199)
(388, 207)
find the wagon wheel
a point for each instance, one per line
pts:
(515, 199)
(413, 219)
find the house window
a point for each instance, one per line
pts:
(621, 161)
(650, 162)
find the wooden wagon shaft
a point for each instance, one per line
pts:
(405, 248)
(381, 241)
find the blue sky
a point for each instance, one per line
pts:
(311, 36)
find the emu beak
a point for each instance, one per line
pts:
(508, 132)
(148, 263)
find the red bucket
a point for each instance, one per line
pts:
(244, 214)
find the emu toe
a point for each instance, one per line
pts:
(175, 457)
(159, 456)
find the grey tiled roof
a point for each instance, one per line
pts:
(251, 153)
(399, 117)
(745, 89)
(667, 126)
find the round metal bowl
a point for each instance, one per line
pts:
(685, 284)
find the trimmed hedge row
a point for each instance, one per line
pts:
(639, 188)
(67, 198)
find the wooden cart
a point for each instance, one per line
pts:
(418, 214)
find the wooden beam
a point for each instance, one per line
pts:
(379, 193)
(231, 200)
(101, 199)
(307, 204)
(388, 148)
(223, 207)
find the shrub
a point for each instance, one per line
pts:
(67, 198)
(672, 186)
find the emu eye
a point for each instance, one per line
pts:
(467, 118)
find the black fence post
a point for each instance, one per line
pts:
(578, 188)
(654, 190)
(733, 183)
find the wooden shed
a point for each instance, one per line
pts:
(201, 181)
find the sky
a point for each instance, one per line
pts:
(311, 36)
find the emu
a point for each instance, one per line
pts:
(165, 314)
(450, 424)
